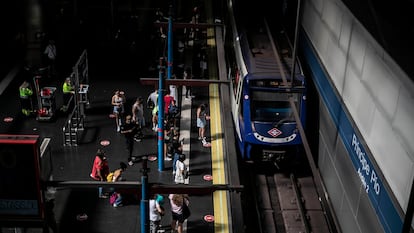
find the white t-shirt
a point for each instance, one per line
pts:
(179, 176)
(154, 215)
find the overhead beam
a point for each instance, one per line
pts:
(182, 82)
(135, 187)
(186, 25)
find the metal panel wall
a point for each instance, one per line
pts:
(351, 204)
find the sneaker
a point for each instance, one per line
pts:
(130, 163)
(118, 129)
(199, 138)
(168, 159)
(138, 139)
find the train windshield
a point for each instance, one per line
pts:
(272, 106)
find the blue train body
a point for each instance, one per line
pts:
(263, 90)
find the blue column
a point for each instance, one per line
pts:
(170, 46)
(144, 206)
(161, 118)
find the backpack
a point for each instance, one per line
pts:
(150, 104)
(110, 177)
(112, 198)
(173, 110)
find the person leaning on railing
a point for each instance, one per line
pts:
(68, 91)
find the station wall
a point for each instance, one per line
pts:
(366, 158)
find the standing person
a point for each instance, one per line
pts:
(159, 17)
(167, 101)
(152, 104)
(138, 112)
(180, 170)
(187, 75)
(68, 92)
(129, 129)
(155, 118)
(25, 92)
(179, 210)
(181, 56)
(176, 149)
(156, 211)
(118, 108)
(50, 52)
(152, 99)
(168, 131)
(201, 122)
(203, 65)
(100, 170)
(173, 91)
(173, 112)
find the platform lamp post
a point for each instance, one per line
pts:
(161, 117)
(144, 206)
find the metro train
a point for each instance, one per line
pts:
(259, 67)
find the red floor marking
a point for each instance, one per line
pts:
(208, 177)
(209, 218)
(152, 158)
(105, 142)
(8, 119)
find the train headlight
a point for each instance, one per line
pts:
(246, 97)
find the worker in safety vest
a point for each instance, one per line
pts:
(68, 92)
(25, 98)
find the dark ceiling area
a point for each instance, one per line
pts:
(92, 23)
(390, 23)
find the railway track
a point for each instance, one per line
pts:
(286, 203)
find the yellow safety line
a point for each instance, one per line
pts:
(221, 216)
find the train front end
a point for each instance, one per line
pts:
(270, 121)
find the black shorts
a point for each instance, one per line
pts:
(178, 217)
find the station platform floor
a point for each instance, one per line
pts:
(74, 163)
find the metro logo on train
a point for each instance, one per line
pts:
(274, 132)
